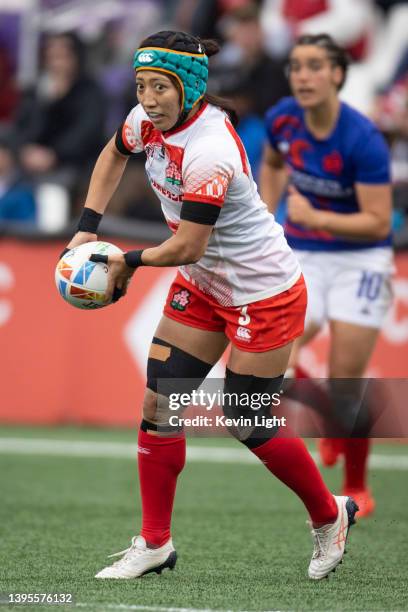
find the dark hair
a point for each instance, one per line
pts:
(337, 55)
(181, 41)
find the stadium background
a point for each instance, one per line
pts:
(62, 367)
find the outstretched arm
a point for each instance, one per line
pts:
(105, 178)
(188, 245)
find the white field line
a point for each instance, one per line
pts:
(136, 607)
(107, 606)
(119, 450)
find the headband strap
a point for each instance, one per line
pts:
(190, 70)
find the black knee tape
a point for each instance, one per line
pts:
(176, 370)
(147, 426)
(350, 413)
(243, 386)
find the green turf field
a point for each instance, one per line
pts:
(241, 536)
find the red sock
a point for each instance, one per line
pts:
(160, 462)
(356, 458)
(289, 460)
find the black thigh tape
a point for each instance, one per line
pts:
(179, 373)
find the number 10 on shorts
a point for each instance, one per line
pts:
(370, 285)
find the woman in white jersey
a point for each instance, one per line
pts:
(339, 212)
(238, 282)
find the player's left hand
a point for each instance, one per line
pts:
(300, 210)
(119, 275)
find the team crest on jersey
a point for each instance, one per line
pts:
(173, 173)
(170, 158)
(333, 163)
(180, 300)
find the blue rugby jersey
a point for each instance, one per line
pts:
(326, 171)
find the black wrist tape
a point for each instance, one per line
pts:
(64, 252)
(89, 221)
(133, 259)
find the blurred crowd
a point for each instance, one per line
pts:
(66, 83)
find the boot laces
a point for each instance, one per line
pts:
(321, 540)
(134, 550)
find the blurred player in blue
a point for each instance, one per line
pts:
(339, 218)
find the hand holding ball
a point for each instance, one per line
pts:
(83, 283)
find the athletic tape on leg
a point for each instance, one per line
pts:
(251, 426)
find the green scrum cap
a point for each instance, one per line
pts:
(190, 70)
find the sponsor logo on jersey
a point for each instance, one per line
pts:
(215, 188)
(146, 57)
(180, 300)
(176, 197)
(284, 147)
(243, 333)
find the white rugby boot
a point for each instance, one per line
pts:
(330, 540)
(139, 560)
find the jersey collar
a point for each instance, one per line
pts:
(187, 123)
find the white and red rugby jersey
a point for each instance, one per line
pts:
(247, 257)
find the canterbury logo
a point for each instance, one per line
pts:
(145, 58)
(244, 333)
(143, 451)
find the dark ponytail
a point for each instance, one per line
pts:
(181, 41)
(212, 48)
(338, 56)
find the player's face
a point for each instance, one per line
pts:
(159, 97)
(313, 77)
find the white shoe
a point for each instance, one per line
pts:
(139, 560)
(330, 540)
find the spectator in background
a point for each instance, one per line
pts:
(16, 197)
(207, 14)
(8, 88)
(350, 22)
(59, 129)
(251, 128)
(391, 115)
(387, 5)
(60, 122)
(245, 51)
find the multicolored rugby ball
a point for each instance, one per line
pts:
(82, 283)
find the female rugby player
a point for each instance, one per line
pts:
(237, 281)
(339, 213)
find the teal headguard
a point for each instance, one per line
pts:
(190, 70)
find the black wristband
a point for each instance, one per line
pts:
(89, 221)
(98, 257)
(64, 252)
(133, 259)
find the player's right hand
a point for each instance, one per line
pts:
(119, 274)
